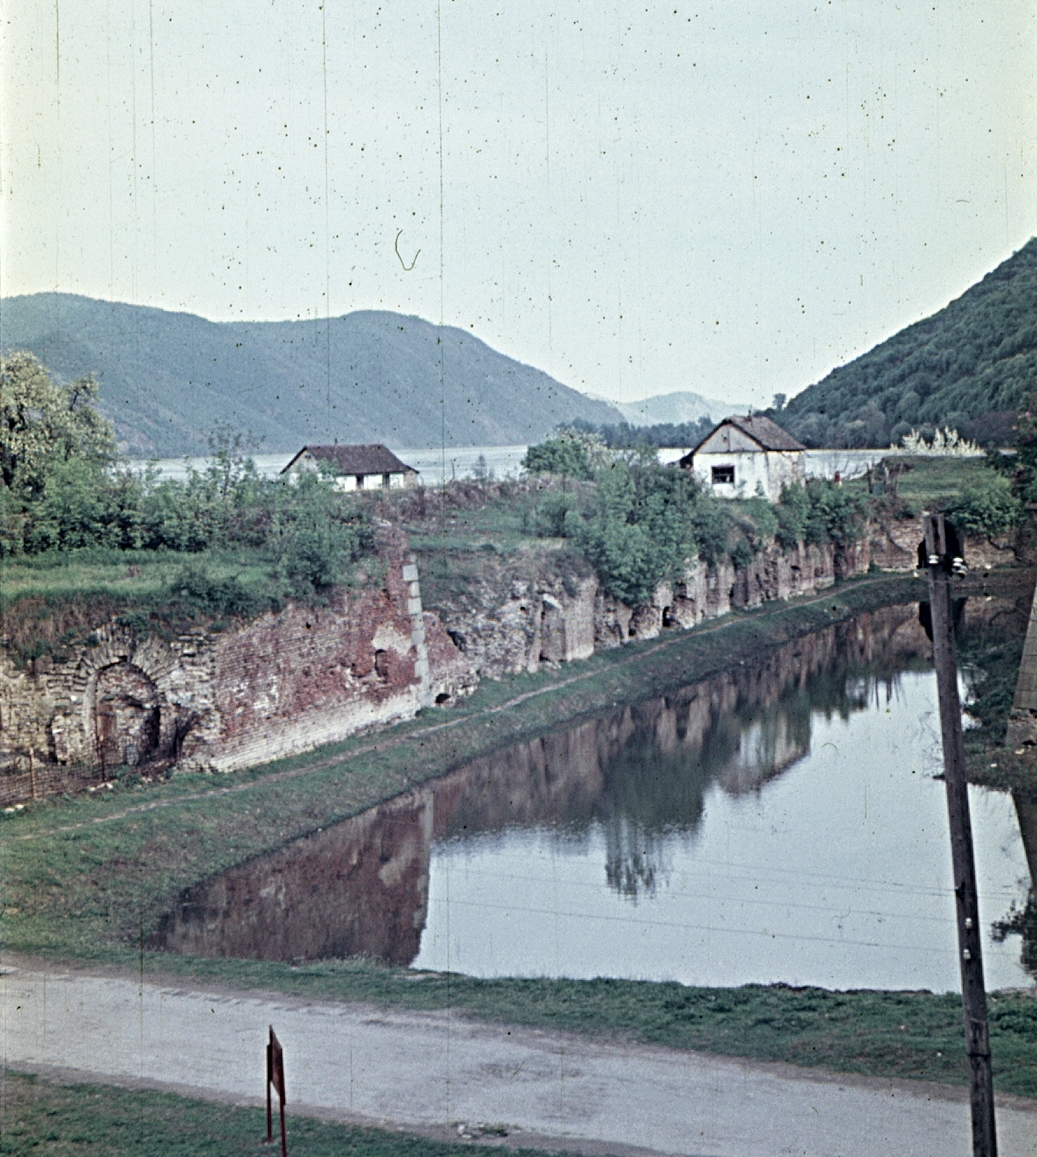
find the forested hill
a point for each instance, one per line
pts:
(168, 378)
(969, 367)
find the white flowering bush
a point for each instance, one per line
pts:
(944, 444)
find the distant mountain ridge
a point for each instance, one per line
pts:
(675, 409)
(969, 367)
(168, 378)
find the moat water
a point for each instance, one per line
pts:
(778, 822)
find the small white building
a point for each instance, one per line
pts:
(744, 454)
(364, 467)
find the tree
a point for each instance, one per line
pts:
(42, 424)
(55, 454)
(565, 456)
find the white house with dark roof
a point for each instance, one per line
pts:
(744, 455)
(363, 467)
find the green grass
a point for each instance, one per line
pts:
(126, 574)
(930, 479)
(50, 1119)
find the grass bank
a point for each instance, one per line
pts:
(87, 879)
(51, 1119)
(916, 1035)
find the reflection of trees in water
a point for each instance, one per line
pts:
(652, 788)
(1022, 922)
(647, 792)
(633, 857)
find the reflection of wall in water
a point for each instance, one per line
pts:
(640, 771)
(359, 888)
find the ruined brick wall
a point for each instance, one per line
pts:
(277, 685)
(708, 591)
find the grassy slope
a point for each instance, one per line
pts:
(87, 878)
(51, 1119)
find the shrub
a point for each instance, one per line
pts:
(194, 586)
(547, 517)
(985, 507)
(818, 513)
(791, 515)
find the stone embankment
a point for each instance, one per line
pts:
(288, 681)
(207, 699)
(510, 621)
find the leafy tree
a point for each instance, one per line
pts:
(317, 535)
(55, 450)
(643, 526)
(818, 513)
(565, 456)
(42, 424)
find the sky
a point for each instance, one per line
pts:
(727, 198)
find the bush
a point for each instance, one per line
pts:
(195, 587)
(791, 515)
(761, 524)
(818, 513)
(547, 518)
(645, 523)
(987, 507)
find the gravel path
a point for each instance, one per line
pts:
(434, 1072)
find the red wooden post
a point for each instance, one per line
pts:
(275, 1077)
(269, 1078)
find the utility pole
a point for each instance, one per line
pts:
(943, 556)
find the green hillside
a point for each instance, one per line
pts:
(168, 378)
(969, 367)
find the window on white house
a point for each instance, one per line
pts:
(360, 482)
(723, 476)
(385, 481)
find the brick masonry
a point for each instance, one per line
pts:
(275, 686)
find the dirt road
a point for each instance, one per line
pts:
(431, 1072)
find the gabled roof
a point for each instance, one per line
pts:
(372, 458)
(767, 433)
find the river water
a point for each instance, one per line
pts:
(455, 462)
(778, 822)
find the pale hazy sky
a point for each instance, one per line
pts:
(729, 198)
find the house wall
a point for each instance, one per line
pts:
(397, 481)
(769, 469)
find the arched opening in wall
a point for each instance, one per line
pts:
(441, 698)
(381, 664)
(126, 716)
(668, 619)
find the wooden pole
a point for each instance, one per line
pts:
(977, 1039)
(269, 1078)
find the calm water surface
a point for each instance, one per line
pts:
(779, 822)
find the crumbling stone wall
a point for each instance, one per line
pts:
(523, 623)
(204, 699)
